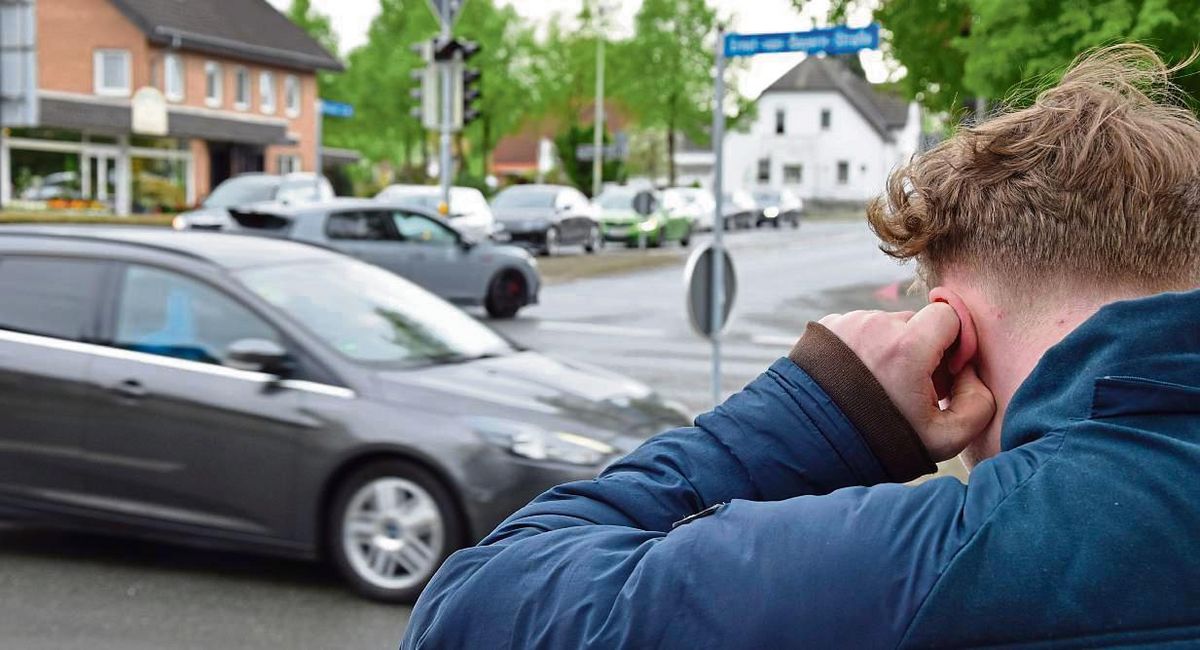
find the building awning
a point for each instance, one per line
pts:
(116, 119)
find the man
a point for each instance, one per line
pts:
(1069, 379)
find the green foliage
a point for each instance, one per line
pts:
(580, 171)
(956, 50)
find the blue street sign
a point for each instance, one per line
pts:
(835, 40)
(336, 109)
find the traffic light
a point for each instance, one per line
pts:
(425, 87)
(471, 92)
(451, 49)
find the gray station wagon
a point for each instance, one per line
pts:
(410, 242)
(219, 389)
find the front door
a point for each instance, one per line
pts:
(184, 438)
(434, 252)
(48, 311)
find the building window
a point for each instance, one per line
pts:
(780, 121)
(826, 118)
(764, 171)
(793, 174)
(241, 89)
(291, 95)
(266, 92)
(173, 77)
(843, 174)
(212, 83)
(112, 73)
(287, 163)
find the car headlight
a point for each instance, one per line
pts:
(771, 213)
(179, 223)
(649, 225)
(535, 443)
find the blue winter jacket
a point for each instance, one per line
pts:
(1083, 532)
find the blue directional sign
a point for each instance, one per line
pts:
(835, 40)
(336, 109)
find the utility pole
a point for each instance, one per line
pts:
(598, 123)
(447, 70)
(718, 258)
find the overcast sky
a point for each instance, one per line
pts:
(351, 18)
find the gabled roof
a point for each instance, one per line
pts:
(246, 29)
(883, 111)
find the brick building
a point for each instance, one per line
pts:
(234, 79)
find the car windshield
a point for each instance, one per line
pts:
(297, 191)
(767, 198)
(526, 197)
(372, 316)
(239, 191)
(617, 199)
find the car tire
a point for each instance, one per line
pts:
(551, 246)
(507, 294)
(595, 240)
(391, 526)
(686, 240)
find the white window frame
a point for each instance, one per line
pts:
(98, 73)
(242, 81)
(292, 91)
(288, 163)
(268, 100)
(212, 68)
(174, 61)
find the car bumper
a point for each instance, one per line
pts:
(628, 232)
(512, 483)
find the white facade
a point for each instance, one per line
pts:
(840, 158)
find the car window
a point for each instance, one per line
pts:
(359, 225)
(298, 192)
(526, 197)
(48, 296)
(422, 230)
(241, 190)
(168, 314)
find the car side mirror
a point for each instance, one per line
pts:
(259, 355)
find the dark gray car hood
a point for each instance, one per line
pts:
(536, 389)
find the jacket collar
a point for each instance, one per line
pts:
(1156, 338)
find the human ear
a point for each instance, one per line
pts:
(967, 346)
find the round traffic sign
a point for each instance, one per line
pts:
(699, 282)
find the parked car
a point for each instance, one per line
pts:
(247, 189)
(697, 203)
(777, 207)
(410, 242)
(739, 210)
(548, 217)
(620, 222)
(217, 389)
(469, 210)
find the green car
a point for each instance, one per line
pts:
(621, 222)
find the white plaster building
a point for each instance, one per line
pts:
(821, 131)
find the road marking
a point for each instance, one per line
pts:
(774, 341)
(594, 328)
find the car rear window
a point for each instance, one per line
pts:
(50, 296)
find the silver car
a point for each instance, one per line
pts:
(413, 243)
(469, 210)
(247, 189)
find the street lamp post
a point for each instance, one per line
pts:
(598, 125)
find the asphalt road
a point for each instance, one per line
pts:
(65, 590)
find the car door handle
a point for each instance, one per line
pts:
(130, 389)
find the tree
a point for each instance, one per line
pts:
(320, 28)
(669, 67)
(955, 50)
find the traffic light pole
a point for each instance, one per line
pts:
(447, 71)
(718, 257)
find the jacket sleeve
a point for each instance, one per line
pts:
(599, 564)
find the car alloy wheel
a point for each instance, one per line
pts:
(393, 525)
(506, 295)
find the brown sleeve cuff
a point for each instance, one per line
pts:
(848, 382)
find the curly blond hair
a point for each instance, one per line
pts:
(1098, 181)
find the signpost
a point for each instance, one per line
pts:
(833, 40)
(326, 108)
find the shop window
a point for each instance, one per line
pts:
(793, 174)
(764, 171)
(112, 70)
(826, 119)
(843, 172)
(291, 95)
(241, 89)
(266, 92)
(213, 83)
(159, 185)
(173, 77)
